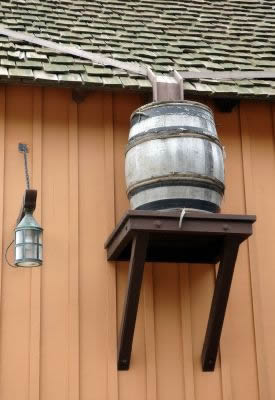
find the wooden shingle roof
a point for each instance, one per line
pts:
(224, 35)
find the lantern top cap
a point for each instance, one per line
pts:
(28, 222)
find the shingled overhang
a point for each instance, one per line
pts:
(229, 35)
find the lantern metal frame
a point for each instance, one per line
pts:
(28, 249)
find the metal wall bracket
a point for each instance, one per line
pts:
(157, 236)
(226, 105)
(79, 95)
(29, 203)
(166, 88)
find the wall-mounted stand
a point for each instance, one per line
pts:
(29, 203)
(159, 237)
(30, 195)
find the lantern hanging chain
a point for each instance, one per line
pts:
(23, 148)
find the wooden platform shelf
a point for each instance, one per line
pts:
(158, 236)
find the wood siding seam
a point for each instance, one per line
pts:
(263, 382)
(35, 273)
(186, 328)
(272, 111)
(112, 375)
(149, 333)
(2, 169)
(2, 184)
(73, 383)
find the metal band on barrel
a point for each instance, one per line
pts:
(165, 204)
(139, 116)
(145, 137)
(155, 106)
(199, 181)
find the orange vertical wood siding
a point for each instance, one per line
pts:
(59, 324)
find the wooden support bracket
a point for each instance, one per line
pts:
(219, 303)
(156, 236)
(136, 267)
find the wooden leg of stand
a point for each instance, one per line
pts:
(219, 303)
(136, 267)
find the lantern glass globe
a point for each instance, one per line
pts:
(28, 242)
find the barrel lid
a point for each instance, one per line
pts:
(155, 104)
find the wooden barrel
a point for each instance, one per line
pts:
(174, 158)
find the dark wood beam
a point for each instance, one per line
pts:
(136, 267)
(219, 303)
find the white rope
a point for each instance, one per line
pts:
(183, 212)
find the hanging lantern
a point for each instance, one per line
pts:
(28, 242)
